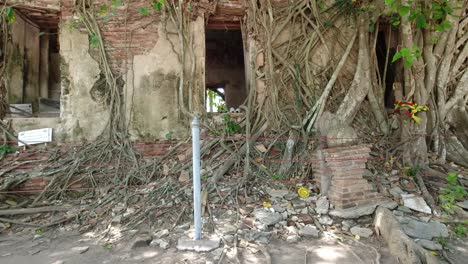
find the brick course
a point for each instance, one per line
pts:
(345, 166)
(125, 34)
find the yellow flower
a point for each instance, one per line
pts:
(303, 192)
(267, 204)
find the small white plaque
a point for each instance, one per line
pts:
(20, 109)
(36, 136)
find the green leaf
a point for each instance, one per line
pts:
(409, 62)
(93, 41)
(10, 14)
(143, 11)
(421, 21)
(396, 57)
(104, 9)
(389, 2)
(404, 10)
(157, 6)
(405, 52)
(393, 8)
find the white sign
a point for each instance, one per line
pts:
(18, 110)
(36, 136)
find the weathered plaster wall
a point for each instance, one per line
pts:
(81, 116)
(151, 92)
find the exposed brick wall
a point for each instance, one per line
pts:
(33, 186)
(50, 4)
(126, 34)
(345, 166)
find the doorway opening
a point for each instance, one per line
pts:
(35, 80)
(387, 70)
(225, 70)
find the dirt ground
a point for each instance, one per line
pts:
(59, 248)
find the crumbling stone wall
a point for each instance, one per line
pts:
(138, 51)
(81, 116)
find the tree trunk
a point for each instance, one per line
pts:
(362, 78)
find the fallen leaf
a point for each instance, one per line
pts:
(11, 202)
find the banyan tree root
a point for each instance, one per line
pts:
(401, 246)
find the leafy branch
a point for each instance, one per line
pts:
(408, 55)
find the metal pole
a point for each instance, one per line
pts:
(196, 177)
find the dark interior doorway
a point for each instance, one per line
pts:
(225, 70)
(387, 74)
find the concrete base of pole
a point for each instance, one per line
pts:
(198, 245)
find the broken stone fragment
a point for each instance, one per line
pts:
(161, 233)
(325, 220)
(322, 205)
(290, 196)
(299, 204)
(229, 238)
(415, 203)
(309, 231)
(292, 230)
(80, 250)
(162, 243)
(396, 192)
(267, 217)
(428, 244)
(361, 231)
(117, 220)
(278, 208)
(347, 224)
(404, 209)
(292, 238)
(423, 230)
(463, 204)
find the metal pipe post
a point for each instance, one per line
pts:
(196, 177)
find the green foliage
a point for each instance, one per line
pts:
(461, 230)
(5, 149)
(442, 241)
(423, 16)
(451, 194)
(93, 41)
(408, 55)
(158, 4)
(230, 126)
(9, 13)
(143, 11)
(220, 106)
(412, 171)
(170, 135)
(278, 177)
